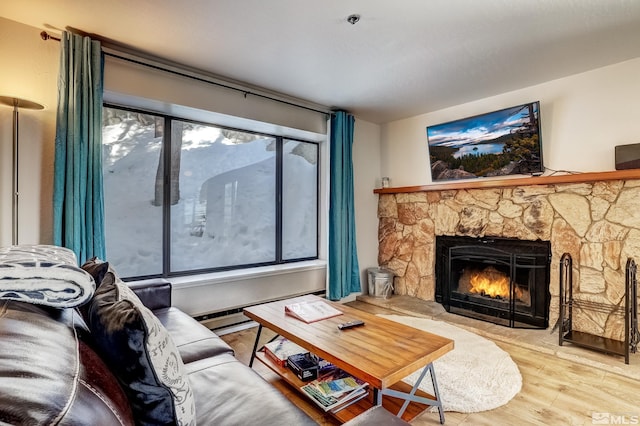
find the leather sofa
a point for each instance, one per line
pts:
(51, 374)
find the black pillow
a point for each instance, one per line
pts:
(96, 268)
(140, 352)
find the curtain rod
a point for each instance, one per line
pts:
(46, 36)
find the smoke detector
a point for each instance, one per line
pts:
(353, 19)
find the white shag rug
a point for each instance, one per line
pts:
(476, 376)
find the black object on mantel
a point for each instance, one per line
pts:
(628, 156)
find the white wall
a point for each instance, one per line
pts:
(582, 116)
(29, 71)
(366, 170)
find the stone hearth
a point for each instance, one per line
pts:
(598, 223)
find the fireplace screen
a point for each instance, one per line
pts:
(498, 280)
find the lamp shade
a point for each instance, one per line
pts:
(20, 103)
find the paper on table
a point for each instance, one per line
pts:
(311, 311)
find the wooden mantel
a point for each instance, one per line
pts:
(519, 181)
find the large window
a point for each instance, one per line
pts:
(184, 197)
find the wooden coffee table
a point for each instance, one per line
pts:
(382, 353)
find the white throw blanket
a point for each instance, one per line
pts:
(44, 275)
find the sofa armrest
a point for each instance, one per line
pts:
(155, 293)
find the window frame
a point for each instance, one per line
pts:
(279, 190)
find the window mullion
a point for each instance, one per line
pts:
(279, 189)
(166, 198)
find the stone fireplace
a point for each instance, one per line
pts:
(593, 216)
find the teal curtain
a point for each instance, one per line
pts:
(78, 197)
(344, 273)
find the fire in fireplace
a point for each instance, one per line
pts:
(504, 281)
(492, 283)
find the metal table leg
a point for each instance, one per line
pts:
(412, 397)
(255, 346)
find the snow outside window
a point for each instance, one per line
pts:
(235, 198)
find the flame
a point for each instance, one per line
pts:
(493, 283)
(490, 282)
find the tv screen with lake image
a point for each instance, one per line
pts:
(500, 143)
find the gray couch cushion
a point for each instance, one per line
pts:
(193, 340)
(231, 394)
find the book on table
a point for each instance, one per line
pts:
(336, 390)
(280, 349)
(311, 311)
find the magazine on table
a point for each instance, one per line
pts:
(336, 390)
(311, 311)
(330, 403)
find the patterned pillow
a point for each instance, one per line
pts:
(45, 275)
(139, 350)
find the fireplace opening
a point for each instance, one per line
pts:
(504, 281)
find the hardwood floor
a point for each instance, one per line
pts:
(555, 391)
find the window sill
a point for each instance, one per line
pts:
(245, 274)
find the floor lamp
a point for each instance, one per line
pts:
(16, 103)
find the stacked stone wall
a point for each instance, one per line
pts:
(597, 223)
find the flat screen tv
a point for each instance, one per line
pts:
(499, 143)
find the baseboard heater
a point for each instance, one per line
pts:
(233, 317)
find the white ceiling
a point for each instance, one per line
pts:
(404, 57)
